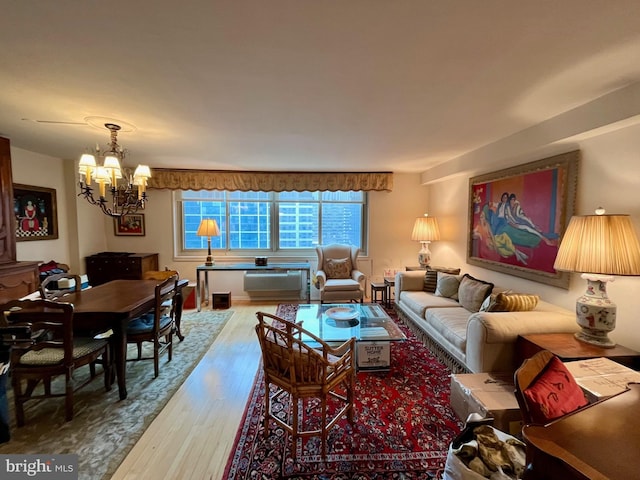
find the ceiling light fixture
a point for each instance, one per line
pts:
(128, 191)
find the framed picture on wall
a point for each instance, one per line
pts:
(35, 210)
(132, 224)
(517, 217)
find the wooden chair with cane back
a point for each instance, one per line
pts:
(304, 371)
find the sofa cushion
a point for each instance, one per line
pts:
(451, 324)
(338, 267)
(447, 285)
(510, 302)
(418, 302)
(554, 393)
(431, 277)
(472, 292)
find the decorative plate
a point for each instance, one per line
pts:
(342, 313)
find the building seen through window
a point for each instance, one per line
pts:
(273, 221)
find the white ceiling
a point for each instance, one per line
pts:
(351, 85)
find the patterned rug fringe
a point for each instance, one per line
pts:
(438, 350)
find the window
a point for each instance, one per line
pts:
(269, 221)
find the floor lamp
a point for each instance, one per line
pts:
(598, 246)
(208, 228)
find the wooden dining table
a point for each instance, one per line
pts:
(111, 306)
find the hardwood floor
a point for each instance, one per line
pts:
(192, 437)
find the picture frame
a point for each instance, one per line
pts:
(517, 217)
(36, 213)
(129, 225)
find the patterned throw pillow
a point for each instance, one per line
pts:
(431, 277)
(472, 292)
(554, 393)
(511, 302)
(447, 285)
(338, 268)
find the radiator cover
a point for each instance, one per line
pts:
(270, 282)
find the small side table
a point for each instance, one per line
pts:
(390, 283)
(381, 288)
(567, 347)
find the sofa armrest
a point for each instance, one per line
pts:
(411, 280)
(492, 336)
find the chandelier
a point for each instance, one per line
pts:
(128, 191)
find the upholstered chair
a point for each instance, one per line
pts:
(337, 275)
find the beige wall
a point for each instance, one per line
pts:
(609, 176)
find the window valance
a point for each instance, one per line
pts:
(177, 179)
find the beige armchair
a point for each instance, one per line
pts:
(337, 275)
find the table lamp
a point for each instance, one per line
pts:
(425, 230)
(598, 246)
(208, 228)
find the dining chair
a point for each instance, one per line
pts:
(51, 350)
(302, 371)
(73, 284)
(156, 326)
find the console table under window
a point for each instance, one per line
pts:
(273, 267)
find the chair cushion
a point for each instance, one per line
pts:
(472, 292)
(338, 267)
(54, 356)
(554, 393)
(144, 323)
(340, 285)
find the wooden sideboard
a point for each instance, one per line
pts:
(18, 279)
(106, 266)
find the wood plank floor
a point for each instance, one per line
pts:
(192, 437)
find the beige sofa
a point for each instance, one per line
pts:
(467, 341)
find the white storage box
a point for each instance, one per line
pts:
(490, 395)
(69, 283)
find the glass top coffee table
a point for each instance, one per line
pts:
(372, 328)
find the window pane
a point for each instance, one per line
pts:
(249, 225)
(342, 223)
(298, 224)
(193, 213)
(305, 219)
(293, 196)
(350, 196)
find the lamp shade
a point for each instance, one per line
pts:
(600, 244)
(208, 228)
(425, 229)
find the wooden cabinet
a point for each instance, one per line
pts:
(17, 279)
(106, 266)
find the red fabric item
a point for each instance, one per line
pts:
(45, 267)
(554, 393)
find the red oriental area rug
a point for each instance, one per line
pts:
(403, 426)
